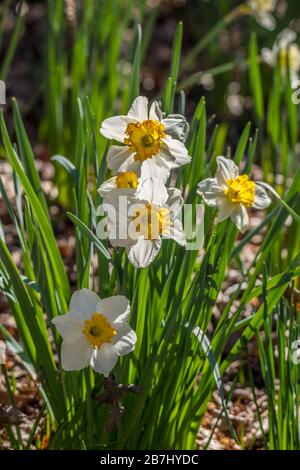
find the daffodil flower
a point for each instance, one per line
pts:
(95, 332)
(287, 52)
(150, 214)
(232, 194)
(262, 11)
(146, 135)
(131, 180)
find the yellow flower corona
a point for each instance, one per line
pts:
(294, 57)
(98, 330)
(264, 5)
(289, 58)
(152, 221)
(144, 138)
(241, 190)
(128, 180)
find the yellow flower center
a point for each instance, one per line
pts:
(294, 58)
(127, 180)
(241, 190)
(152, 221)
(289, 57)
(98, 330)
(264, 6)
(144, 138)
(283, 58)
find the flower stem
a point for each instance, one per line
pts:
(295, 216)
(240, 10)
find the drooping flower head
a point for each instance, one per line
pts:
(287, 52)
(147, 136)
(95, 332)
(146, 216)
(262, 11)
(232, 194)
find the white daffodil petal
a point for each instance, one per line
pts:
(139, 109)
(115, 309)
(143, 252)
(104, 359)
(84, 301)
(261, 198)
(226, 170)
(115, 127)
(286, 37)
(108, 186)
(125, 339)
(266, 20)
(76, 356)
(121, 199)
(69, 326)
(155, 112)
(176, 126)
(269, 57)
(240, 217)
(174, 152)
(175, 201)
(176, 233)
(225, 208)
(152, 190)
(150, 168)
(120, 159)
(116, 207)
(210, 191)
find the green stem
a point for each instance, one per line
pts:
(218, 70)
(295, 216)
(13, 42)
(240, 10)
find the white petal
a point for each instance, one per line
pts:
(261, 198)
(210, 190)
(139, 109)
(240, 217)
(152, 190)
(225, 207)
(69, 326)
(175, 201)
(115, 127)
(226, 170)
(268, 56)
(84, 301)
(143, 252)
(176, 126)
(76, 356)
(155, 112)
(286, 37)
(116, 206)
(120, 200)
(150, 168)
(115, 308)
(125, 339)
(174, 153)
(120, 159)
(107, 186)
(104, 359)
(177, 233)
(266, 20)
